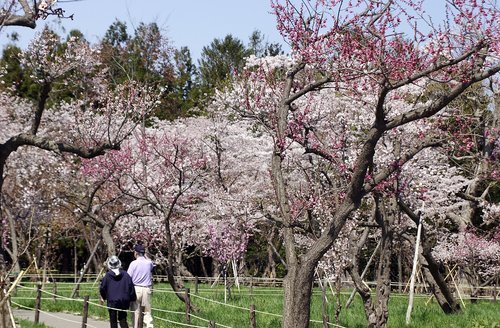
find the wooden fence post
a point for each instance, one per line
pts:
(38, 303)
(324, 311)
(54, 291)
(141, 317)
(495, 290)
(188, 306)
(211, 324)
(196, 285)
(85, 312)
(251, 286)
(253, 323)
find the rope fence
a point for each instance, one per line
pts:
(62, 297)
(90, 278)
(183, 324)
(255, 290)
(254, 283)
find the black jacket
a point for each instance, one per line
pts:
(117, 289)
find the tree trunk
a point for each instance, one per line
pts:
(45, 256)
(436, 290)
(5, 321)
(379, 319)
(88, 241)
(298, 289)
(170, 263)
(270, 270)
(203, 267)
(443, 294)
(363, 290)
(85, 269)
(14, 252)
(300, 268)
(107, 238)
(384, 216)
(365, 270)
(376, 312)
(400, 266)
(475, 281)
(446, 300)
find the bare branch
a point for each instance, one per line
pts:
(26, 20)
(388, 170)
(25, 139)
(443, 100)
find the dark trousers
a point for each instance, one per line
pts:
(118, 317)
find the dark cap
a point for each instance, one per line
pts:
(139, 249)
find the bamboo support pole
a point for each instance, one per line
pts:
(413, 274)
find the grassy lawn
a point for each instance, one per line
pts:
(268, 303)
(29, 324)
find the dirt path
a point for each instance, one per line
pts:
(59, 320)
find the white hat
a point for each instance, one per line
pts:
(114, 262)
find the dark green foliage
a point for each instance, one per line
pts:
(220, 61)
(147, 56)
(144, 56)
(187, 91)
(16, 75)
(23, 80)
(75, 34)
(116, 36)
(257, 255)
(259, 47)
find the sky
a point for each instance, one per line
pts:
(191, 23)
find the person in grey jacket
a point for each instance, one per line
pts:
(118, 290)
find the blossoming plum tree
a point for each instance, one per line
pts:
(183, 180)
(373, 54)
(91, 119)
(474, 254)
(236, 188)
(149, 185)
(458, 184)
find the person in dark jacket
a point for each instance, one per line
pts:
(118, 290)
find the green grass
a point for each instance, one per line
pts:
(235, 313)
(29, 324)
